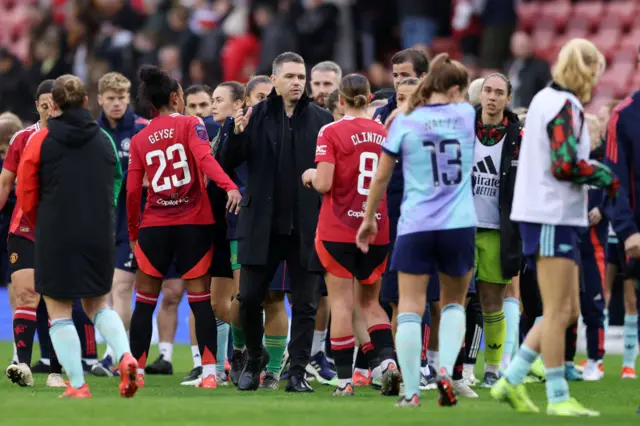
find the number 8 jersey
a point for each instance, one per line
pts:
(173, 151)
(436, 144)
(353, 146)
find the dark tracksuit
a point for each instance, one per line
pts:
(623, 157)
(71, 160)
(593, 247)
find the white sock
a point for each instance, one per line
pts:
(90, 361)
(195, 355)
(45, 361)
(166, 350)
(469, 367)
(342, 383)
(141, 371)
(361, 371)
(15, 354)
(110, 353)
(319, 338)
(433, 359)
(208, 370)
(488, 368)
(376, 372)
(384, 364)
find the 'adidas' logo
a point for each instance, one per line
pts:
(495, 346)
(485, 166)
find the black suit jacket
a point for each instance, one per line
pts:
(257, 145)
(534, 76)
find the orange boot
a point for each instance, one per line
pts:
(128, 376)
(81, 393)
(209, 382)
(628, 373)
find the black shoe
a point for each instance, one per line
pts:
(194, 375)
(40, 368)
(298, 383)
(159, 366)
(238, 359)
(249, 379)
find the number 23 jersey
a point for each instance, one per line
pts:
(174, 152)
(436, 144)
(353, 146)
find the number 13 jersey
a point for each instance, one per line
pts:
(436, 144)
(173, 151)
(353, 146)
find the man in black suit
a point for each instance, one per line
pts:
(528, 74)
(278, 215)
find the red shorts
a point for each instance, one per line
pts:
(345, 260)
(189, 244)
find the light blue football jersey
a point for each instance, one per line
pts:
(436, 145)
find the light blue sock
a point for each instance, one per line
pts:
(109, 324)
(451, 335)
(538, 320)
(557, 386)
(511, 309)
(520, 365)
(409, 348)
(66, 343)
(630, 351)
(223, 341)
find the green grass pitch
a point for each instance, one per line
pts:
(164, 402)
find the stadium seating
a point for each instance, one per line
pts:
(14, 25)
(613, 26)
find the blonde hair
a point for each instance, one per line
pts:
(8, 128)
(11, 117)
(573, 69)
(594, 130)
(474, 91)
(113, 81)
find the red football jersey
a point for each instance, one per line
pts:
(174, 152)
(19, 225)
(353, 145)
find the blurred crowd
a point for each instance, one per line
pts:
(209, 41)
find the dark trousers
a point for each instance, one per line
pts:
(593, 259)
(254, 284)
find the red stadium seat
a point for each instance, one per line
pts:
(630, 42)
(635, 84)
(445, 44)
(605, 92)
(543, 41)
(609, 22)
(593, 11)
(624, 11)
(557, 12)
(617, 80)
(577, 27)
(528, 13)
(627, 56)
(607, 41)
(596, 103)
